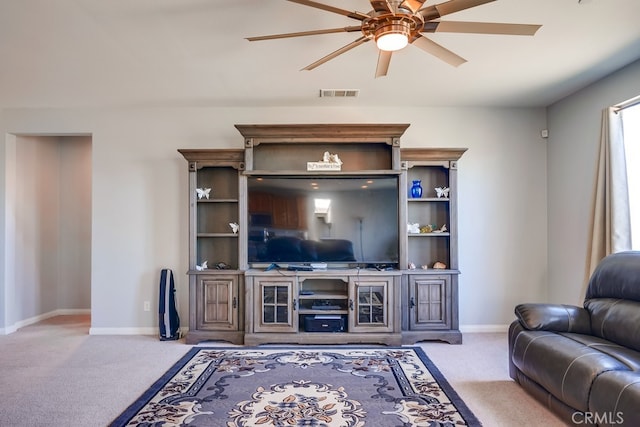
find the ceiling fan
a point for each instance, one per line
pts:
(395, 23)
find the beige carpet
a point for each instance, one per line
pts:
(54, 374)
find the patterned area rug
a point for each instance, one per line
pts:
(303, 386)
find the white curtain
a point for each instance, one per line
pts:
(610, 221)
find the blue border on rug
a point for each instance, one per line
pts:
(453, 396)
(135, 407)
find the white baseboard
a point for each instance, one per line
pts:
(132, 331)
(124, 331)
(154, 330)
(472, 329)
(39, 318)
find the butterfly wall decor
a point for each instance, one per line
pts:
(203, 193)
(442, 192)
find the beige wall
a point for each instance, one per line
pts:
(139, 204)
(574, 133)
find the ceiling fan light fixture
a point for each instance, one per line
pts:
(393, 36)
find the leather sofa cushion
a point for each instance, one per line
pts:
(629, 357)
(616, 276)
(554, 317)
(616, 320)
(563, 366)
(615, 396)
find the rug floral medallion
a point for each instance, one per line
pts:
(276, 386)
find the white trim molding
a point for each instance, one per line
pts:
(124, 331)
(39, 318)
(469, 329)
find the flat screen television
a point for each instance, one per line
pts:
(324, 219)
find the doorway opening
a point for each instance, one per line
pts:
(48, 205)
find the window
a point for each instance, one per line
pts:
(631, 130)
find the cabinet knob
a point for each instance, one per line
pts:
(234, 303)
(351, 304)
(412, 303)
(294, 304)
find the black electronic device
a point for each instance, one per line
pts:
(297, 267)
(324, 323)
(362, 228)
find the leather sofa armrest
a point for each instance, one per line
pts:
(554, 317)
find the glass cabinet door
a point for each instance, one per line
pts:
(370, 305)
(276, 306)
(371, 301)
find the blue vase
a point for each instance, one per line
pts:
(416, 189)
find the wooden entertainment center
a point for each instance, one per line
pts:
(239, 300)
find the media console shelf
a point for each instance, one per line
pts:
(368, 293)
(340, 306)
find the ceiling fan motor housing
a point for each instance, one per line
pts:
(384, 24)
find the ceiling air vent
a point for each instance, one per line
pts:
(339, 93)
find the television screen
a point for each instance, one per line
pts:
(330, 219)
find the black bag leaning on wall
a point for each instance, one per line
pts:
(168, 312)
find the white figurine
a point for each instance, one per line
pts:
(203, 192)
(413, 228)
(442, 192)
(331, 158)
(234, 227)
(442, 229)
(202, 267)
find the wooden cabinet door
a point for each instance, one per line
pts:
(217, 305)
(429, 302)
(260, 203)
(370, 304)
(275, 305)
(289, 212)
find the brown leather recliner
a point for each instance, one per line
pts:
(584, 362)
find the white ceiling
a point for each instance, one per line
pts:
(93, 53)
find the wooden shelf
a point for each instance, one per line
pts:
(301, 173)
(429, 199)
(432, 234)
(323, 296)
(217, 200)
(309, 311)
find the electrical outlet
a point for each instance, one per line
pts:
(146, 306)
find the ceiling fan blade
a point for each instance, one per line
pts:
(437, 10)
(305, 33)
(381, 6)
(438, 51)
(480, 28)
(340, 51)
(384, 58)
(412, 5)
(355, 15)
